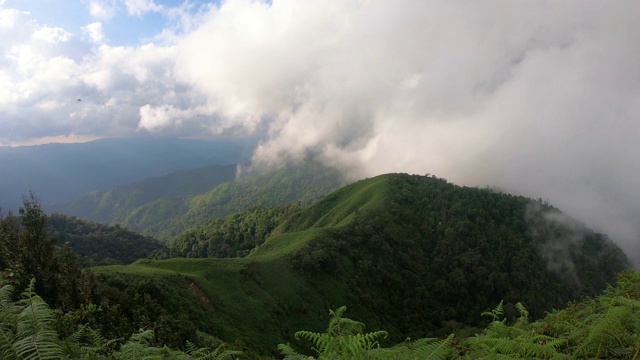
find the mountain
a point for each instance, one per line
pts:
(414, 255)
(99, 244)
(114, 205)
(167, 214)
(58, 173)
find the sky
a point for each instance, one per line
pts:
(539, 98)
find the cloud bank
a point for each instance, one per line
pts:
(537, 98)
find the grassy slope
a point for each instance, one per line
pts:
(255, 302)
(303, 182)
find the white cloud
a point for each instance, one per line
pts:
(139, 7)
(159, 117)
(10, 18)
(51, 34)
(538, 98)
(41, 82)
(102, 9)
(95, 32)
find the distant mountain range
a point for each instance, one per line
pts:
(58, 173)
(169, 205)
(116, 204)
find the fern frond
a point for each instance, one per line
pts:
(36, 338)
(6, 293)
(320, 341)
(137, 347)
(290, 354)
(30, 291)
(434, 349)
(207, 354)
(86, 343)
(496, 313)
(8, 323)
(524, 314)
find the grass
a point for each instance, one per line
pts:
(256, 302)
(340, 207)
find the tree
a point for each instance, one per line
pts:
(29, 252)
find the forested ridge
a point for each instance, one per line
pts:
(99, 244)
(230, 236)
(451, 251)
(409, 256)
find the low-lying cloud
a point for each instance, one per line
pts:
(537, 98)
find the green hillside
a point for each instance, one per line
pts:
(113, 206)
(413, 255)
(99, 244)
(303, 182)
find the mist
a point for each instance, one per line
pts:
(536, 98)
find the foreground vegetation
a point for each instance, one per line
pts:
(605, 327)
(31, 330)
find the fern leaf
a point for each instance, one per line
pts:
(36, 339)
(290, 354)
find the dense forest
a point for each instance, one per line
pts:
(410, 256)
(451, 251)
(99, 244)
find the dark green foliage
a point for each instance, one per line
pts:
(516, 341)
(344, 339)
(605, 327)
(27, 333)
(121, 308)
(231, 236)
(410, 254)
(431, 252)
(33, 253)
(99, 244)
(152, 303)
